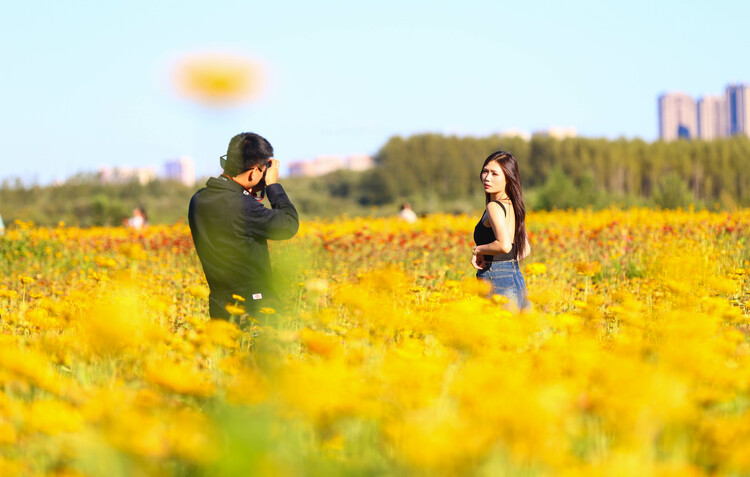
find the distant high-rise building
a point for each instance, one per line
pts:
(181, 169)
(737, 99)
(678, 117)
(712, 117)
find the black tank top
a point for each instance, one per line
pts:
(484, 235)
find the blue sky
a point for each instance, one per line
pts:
(86, 83)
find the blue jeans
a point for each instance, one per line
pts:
(507, 280)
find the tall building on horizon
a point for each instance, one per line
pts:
(737, 99)
(712, 122)
(181, 169)
(678, 117)
(710, 118)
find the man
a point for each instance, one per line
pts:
(230, 226)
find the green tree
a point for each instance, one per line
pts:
(672, 192)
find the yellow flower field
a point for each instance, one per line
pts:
(386, 358)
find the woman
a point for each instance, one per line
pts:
(139, 219)
(500, 235)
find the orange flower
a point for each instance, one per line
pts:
(588, 269)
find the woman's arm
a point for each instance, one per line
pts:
(503, 237)
(477, 261)
(526, 249)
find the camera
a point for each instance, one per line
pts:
(262, 183)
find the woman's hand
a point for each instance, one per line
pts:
(477, 261)
(526, 250)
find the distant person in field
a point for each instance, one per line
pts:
(2, 226)
(500, 236)
(407, 214)
(231, 227)
(139, 219)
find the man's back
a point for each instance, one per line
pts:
(230, 229)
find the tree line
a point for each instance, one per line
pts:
(583, 171)
(85, 201)
(438, 173)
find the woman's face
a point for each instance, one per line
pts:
(493, 178)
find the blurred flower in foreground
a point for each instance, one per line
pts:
(218, 79)
(54, 417)
(180, 378)
(500, 299)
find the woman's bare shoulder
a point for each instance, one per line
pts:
(500, 206)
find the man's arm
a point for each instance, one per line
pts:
(281, 222)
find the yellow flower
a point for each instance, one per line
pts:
(106, 262)
(500, 299)
(235, 310)
(267, 310)
(31, 365)
(535, 269)
(335, 443)
(319, 343)
(179, 378)
(222, 333)
(218, 79)
(119, 321)
(5, 293)
(192, 437)
(8, 435)
(54, 417)
(199, 291)
(238, 298)
(437, 441)
(247, 387)
(133, 251)
(25, 279)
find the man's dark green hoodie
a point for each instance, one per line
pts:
(230, 230)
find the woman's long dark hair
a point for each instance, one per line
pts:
(509, 165)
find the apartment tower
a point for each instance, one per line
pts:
(678, 117)
(738, 109)
(712, 122)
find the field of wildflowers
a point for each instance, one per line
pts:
(387, 359)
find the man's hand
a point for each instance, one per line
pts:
(272, 172)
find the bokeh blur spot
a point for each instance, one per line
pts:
(218, 79)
